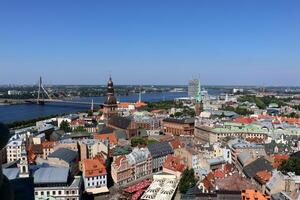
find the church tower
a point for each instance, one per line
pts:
(110, 104)
(24, 171)
(198, 102)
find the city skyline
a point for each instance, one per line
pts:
(150, 43)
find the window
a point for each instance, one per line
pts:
(67, 192)
(36, 193)
(54, 192)
(73, 191)
(59, 192)
(48, 193)
(42, 193)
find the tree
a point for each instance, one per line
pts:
(79, 129)
(178, 114)
(90, 113)
(187, 180)
(291, 165)
(135, 141)
(293, 115)
(65, 126)
(152, 141)
(238, 110)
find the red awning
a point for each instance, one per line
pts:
(139, 186)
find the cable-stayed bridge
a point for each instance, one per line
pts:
(45, 97)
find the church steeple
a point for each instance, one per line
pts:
(110, 104)
(198, 103)
(110, 99)
(24, 171)
(110, 87)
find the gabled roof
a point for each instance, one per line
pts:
(138, 155)
(176, 144)
(263, 176)
(119, 159)
(106, 129)
(160, 149)
(46, 175)
(64, 154)
(120, 122)
(207, 181)
(93, 167)
(174, 163)
(259, 164)
(110, 136)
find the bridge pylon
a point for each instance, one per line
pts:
(41, 91)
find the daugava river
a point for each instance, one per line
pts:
(10, 113)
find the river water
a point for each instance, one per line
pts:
(9, 113)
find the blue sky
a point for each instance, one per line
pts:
(150, 42)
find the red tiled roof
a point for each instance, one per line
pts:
(112, 138)
(31, 156)
(278, 158)
(158, 111)
(48, 144)
(78, 122)
(255, 139)
(174, 163)
(119, 159)
(254, 195)
(228, 168)
(244, 120)
(176, 144)
(219, 173)
(280, 119)
(263, 176)
(289, 120)
(124, 104)
(207, 181)
(93, 167)
(140, 104)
